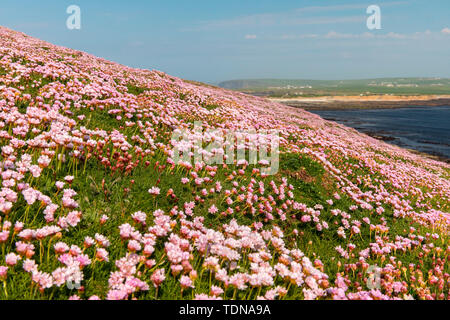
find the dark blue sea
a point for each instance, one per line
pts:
(426, 129)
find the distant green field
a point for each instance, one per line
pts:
(307, 88)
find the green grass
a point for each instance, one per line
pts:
(279, 88)
(133, 89)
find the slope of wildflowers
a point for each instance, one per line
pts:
(92, 205)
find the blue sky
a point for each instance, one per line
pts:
(215, 40)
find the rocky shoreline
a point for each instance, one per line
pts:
(387, 138)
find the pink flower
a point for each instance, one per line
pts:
(306, 218)
(202, 296)
(75, 250)
(6, 207)
(117, 295)
(29, 265)
(3, 273)
(59, 184)
(84, 260)
(158, 277)
(12, 259)
(102, 241)
(30, 196)
(35, 171)
(134, 246)
(126, 231)
(213, 209)
(154, 191)
(88, 242)
(18, 226)
(186, 282)
(355, 230)
(49, 212)
(102, 254)
(44, 161)
(103, 219)
(139, 217)
(216, 291)
(69, 179)
(4, 236)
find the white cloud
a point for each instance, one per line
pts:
(367, 35)
(346, 7)
(445, 31)
(299, 16)
(295, 17)
(270, 20)
(394, 35)
(301, 36)
(250, 36)
(337, 35)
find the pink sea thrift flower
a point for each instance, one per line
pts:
(134, 246)
(102, 254)
(12, 259)
(59, 184)
(3, 273)
(139, 217)
(213, 209)
(103, 219)
(186, 282)
(29, 265)
(154, 191)
(216, 291)
(158, 277)
(69, 179)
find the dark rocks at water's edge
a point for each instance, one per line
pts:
(380, 135)
(432, 155)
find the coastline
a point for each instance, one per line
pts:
(364, 102)
(379, 131)
(389, 139)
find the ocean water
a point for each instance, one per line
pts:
(426, 129)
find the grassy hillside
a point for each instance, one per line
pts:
(92, 205)
(297, 88)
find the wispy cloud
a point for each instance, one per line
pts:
(298, 16)
(260, 20)
(347, 6)
(445, 31)
(250, 36)
(365, 35)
